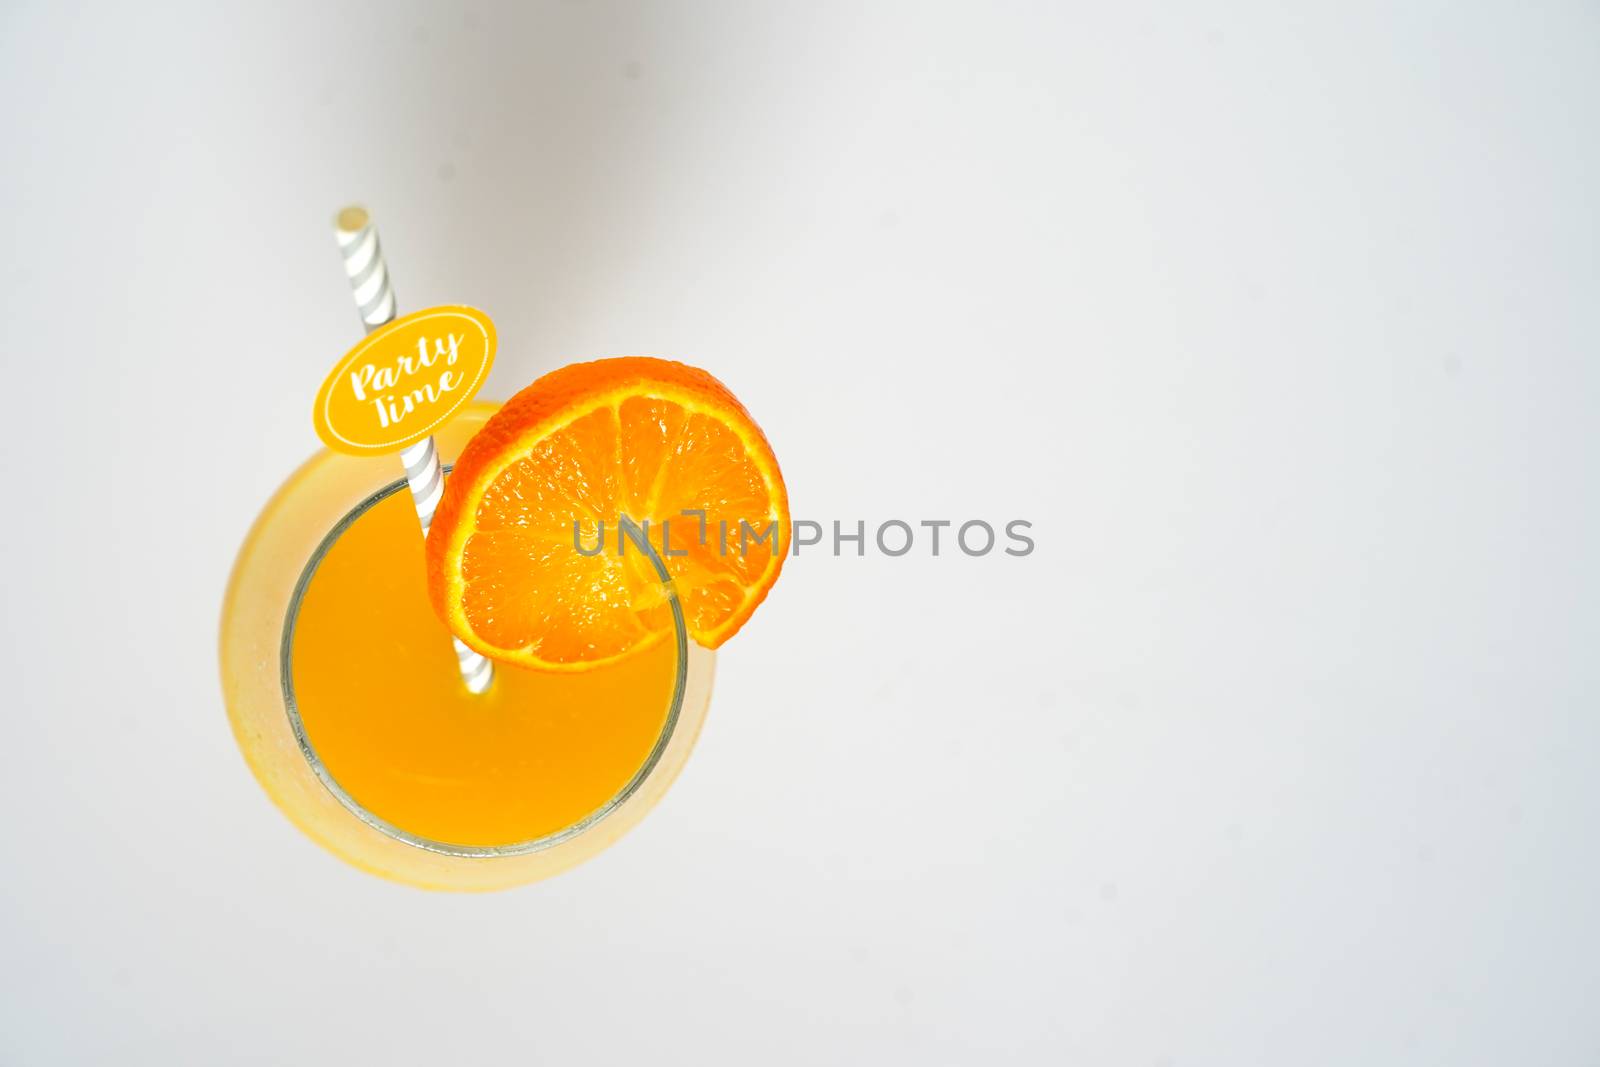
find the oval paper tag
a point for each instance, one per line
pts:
(405, 380)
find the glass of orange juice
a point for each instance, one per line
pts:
(344, 696)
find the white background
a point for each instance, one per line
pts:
(1279, 322)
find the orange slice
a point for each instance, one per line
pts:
(588, 446)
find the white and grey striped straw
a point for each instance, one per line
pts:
(369, 281)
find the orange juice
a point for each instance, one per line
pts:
(381, 702)
(344, 696)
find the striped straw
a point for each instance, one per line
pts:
(369, 281)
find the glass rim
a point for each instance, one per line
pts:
(520, 848)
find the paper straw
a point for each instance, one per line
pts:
(369, 282)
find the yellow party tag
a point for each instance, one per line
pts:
(405, 380)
